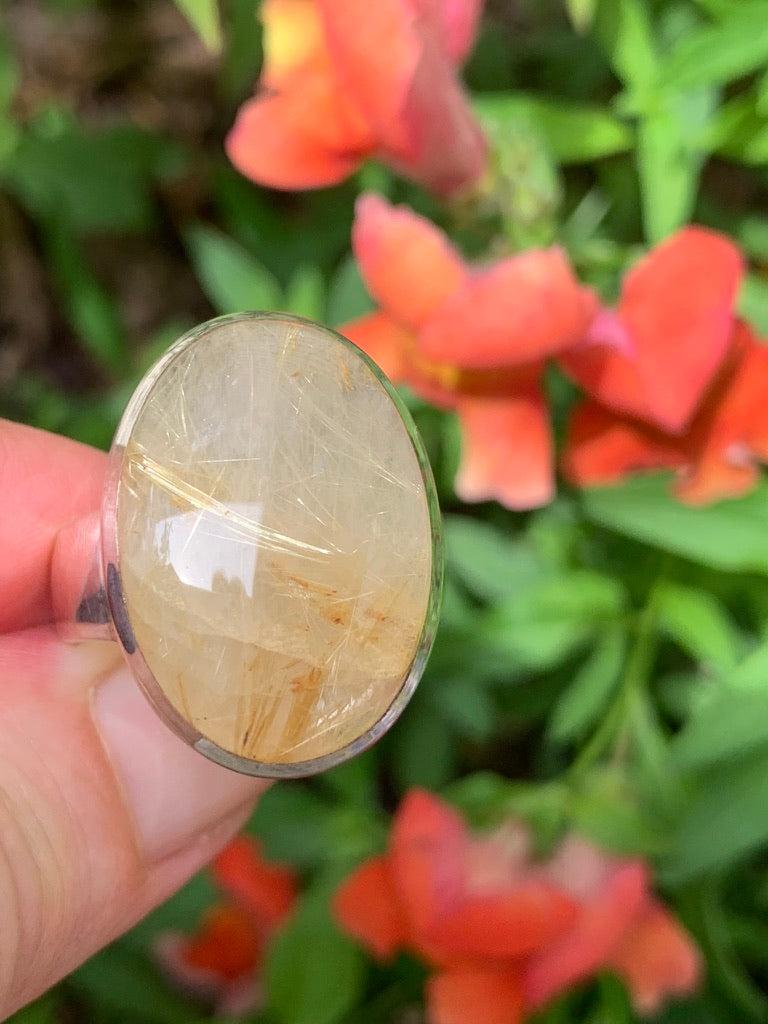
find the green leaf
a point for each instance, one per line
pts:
(753, 300)
(723, 9)
(670, 159)
(204, 17)
(678, 693)
(486, 800)
(305, 293)
(9, 72)
(232, 279)
(761, 95)
(9, 138)
(730, 535)
(315, 974)
(546, 625)
(483, 797)
(43, 1011)
(581, 13)
(572, 132)
(699, 624)
(422, 751)
(467, 706)
(605, 810)
(527, 187)
(714, 928)
(293, 826)
(37, 400)
(348, 297)
(751, 233)
(9, 133)
(122, 981)
(726, 819)
(355, 833)
(90, 308)
(738, 131)
(311, 229)
(593, 683)
(730, 719)
(733, 722)
(96, 181)
(242, 57)
(446, 464)
(298, 827)
(716, 54)
(555, 532)
(490, 564)
(461, 651)
(355, 781)
(753, 670)
(626, 33)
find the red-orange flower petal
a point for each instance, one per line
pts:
(408, 264)
(267, 891)
(345, 80)
(522, 309)
(677, 313)
(657, 959)
(366, 906)
(602, 448)
(475, 995)
(384, 340)
(506, 450)
(376, 50)
(731, 433)
(717, 456)
(427, 859)
(509, 923)
(438, 140)
(588, 945)
(219, 963)
(458, 22)
(300, 131)
(227, 944)
(305, 136)
(396, 58)
(716, 479)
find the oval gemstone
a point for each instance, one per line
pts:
(274, 538)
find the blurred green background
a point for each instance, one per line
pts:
(122, 224)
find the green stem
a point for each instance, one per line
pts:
(702, 907)
(616, 729)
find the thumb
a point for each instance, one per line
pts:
(103, 811)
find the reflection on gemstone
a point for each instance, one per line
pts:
(275, 540)
(203, 554)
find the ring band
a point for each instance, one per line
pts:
(268, 554)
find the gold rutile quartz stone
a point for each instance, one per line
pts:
(274, 538)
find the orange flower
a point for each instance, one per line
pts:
(621, 927)
(472, 340)
(654, 357)
(505, 934)
(717, 455)
(220, 962)
(344, 80)
(466, 906)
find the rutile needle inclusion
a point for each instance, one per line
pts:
(275, 540)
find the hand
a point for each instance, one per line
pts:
(103, 811)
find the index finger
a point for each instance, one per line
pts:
(46, 483)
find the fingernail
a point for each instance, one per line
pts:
(173, 793)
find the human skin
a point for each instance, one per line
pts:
(103, 811)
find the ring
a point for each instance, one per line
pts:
(268, 553)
